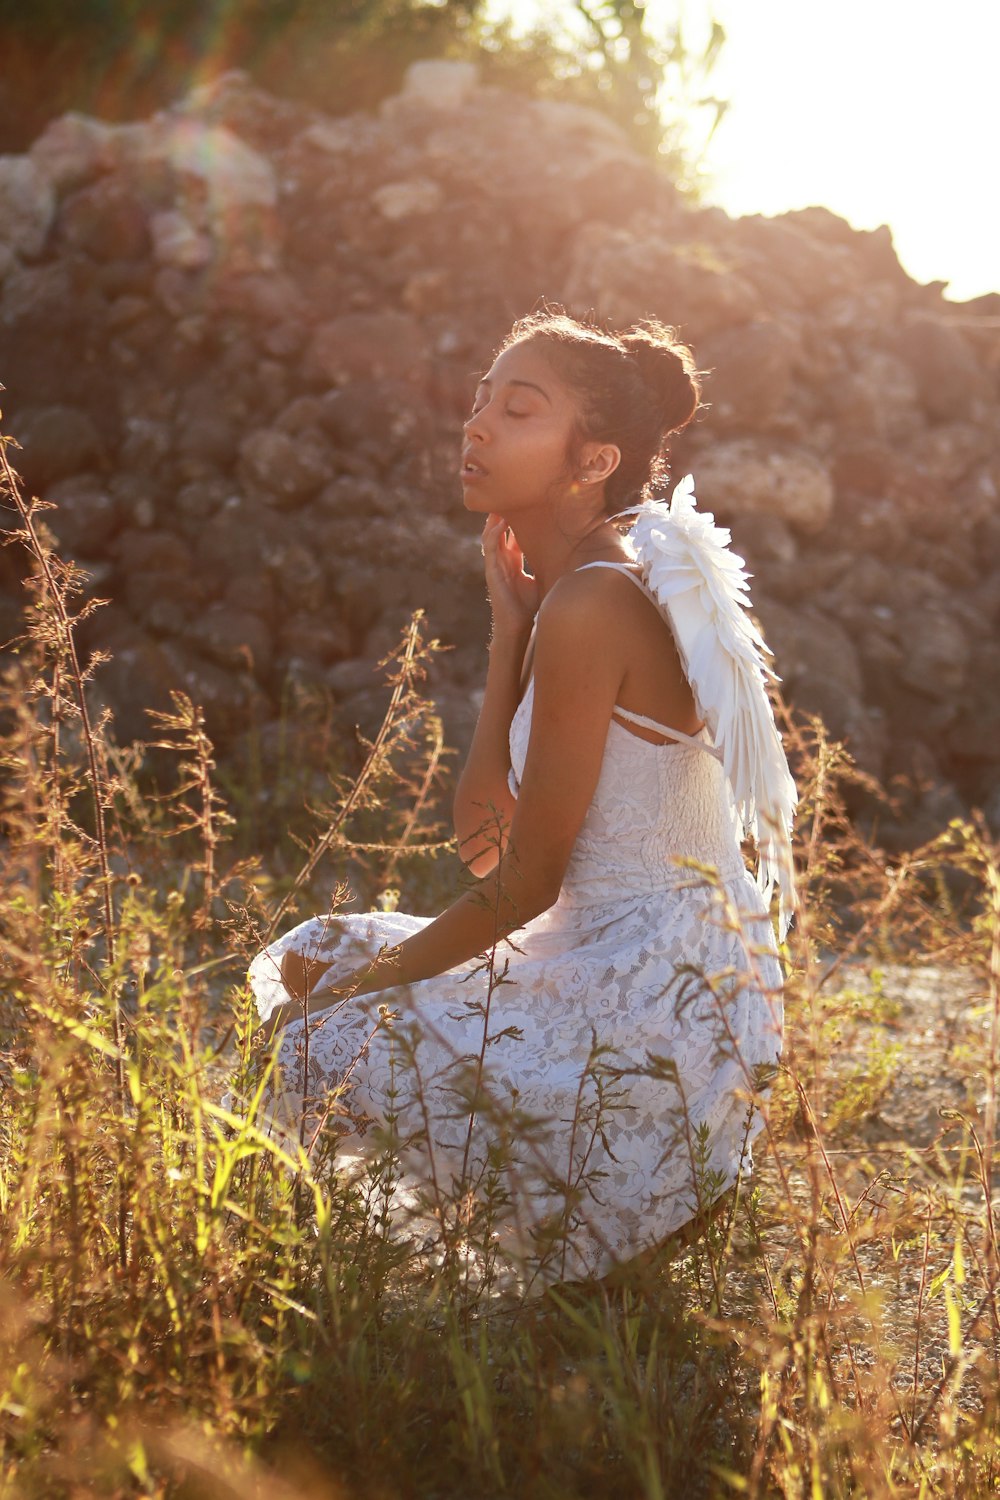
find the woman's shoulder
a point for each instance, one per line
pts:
(595, 599)
(590, 610)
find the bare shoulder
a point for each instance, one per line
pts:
(587, 591)
(588, 613)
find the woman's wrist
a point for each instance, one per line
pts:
(510, 641)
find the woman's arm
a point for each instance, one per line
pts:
(483, 805)
(578, 670)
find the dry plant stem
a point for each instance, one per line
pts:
(67, 642)
(372, 761)
(419, 802)
(990, 1131)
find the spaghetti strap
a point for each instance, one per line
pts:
(619, 568)
(674, 734)
(640, 719)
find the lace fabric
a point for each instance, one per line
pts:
(628, 1042)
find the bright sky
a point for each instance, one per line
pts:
(886, 111)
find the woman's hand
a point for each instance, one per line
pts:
(513, 594)
(300, 975)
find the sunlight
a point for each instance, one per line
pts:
(885, 111)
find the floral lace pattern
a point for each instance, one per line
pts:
(609, 1081)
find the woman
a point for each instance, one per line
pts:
(592, 1081)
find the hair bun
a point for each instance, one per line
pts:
(668, 371)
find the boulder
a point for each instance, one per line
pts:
(281, 469)
(624, 277)
(935, 652)
(27, 206)
(741, 476)
(750, 373)
(232, 638)
(106, 220)
(367, 346)
(949, 377)
(87, 515)
(73, 150)
(56, 442)
(439, 84)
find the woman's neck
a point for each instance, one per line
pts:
(552, 551)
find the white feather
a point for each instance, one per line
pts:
(702, 587)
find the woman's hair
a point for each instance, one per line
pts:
(635, 388)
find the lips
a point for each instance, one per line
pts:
(471, 469)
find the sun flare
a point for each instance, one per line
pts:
(885, 111)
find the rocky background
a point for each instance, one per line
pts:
(238, 340)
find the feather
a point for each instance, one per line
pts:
(702, 588)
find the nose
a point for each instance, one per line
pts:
(474, 426)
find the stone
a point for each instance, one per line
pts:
(166, 603)
(232, 638)
(297, 572)
(222, 186)
(105, 220)
(72, 150)
(746, 475)
(948, 374)
(229, 700)
(206, 444)
(405, 200)
(785, 262)
(56, 442)
(975, 734)
(367, 346)
(950, 451)
(936, 653)
(146, 446)
(139, 676)
(321, 639)
(750, 373)
(624, 277)
(284, 469)
(232, 174)
(161, 552)
(87, 515)
(252, 592)
(877, 397)
(440, 84)
(27, 206)
(821, 674)
(176, 241)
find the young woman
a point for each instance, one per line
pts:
(597, 1078)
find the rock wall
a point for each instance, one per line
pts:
(238, 340)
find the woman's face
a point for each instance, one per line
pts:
(518, 440)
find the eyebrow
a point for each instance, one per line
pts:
(529, 384)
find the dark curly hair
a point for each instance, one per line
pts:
(635, 388)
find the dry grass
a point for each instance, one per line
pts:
(189, 1308)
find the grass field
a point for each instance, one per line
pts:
(191, 1307)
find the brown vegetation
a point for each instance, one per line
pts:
(189, 1307)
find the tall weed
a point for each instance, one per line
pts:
(191, 1304)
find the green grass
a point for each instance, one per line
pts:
(189, 1307)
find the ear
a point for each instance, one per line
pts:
(598, 461)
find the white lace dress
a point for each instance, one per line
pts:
(604, 1082)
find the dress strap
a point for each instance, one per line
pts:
(640, 719)
(674, 734)
(619, 568)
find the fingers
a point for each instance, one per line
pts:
(492, 532)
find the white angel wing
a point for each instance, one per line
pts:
(702, 588)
